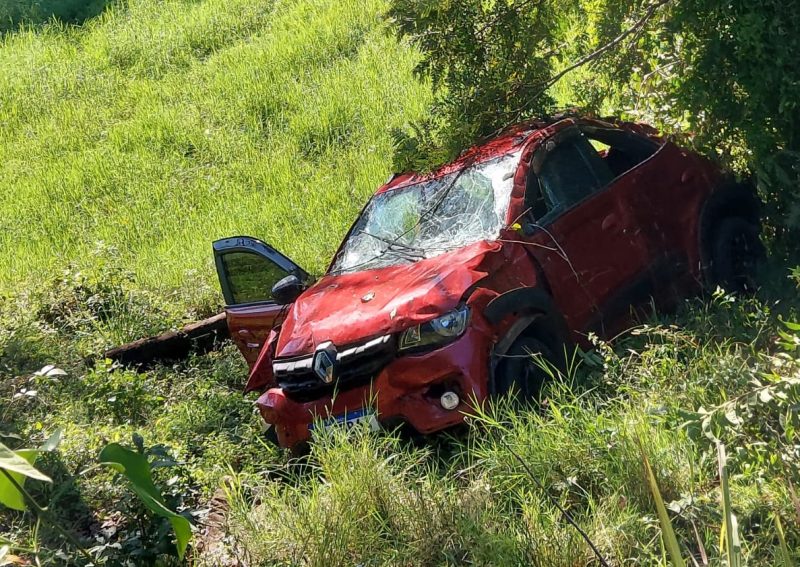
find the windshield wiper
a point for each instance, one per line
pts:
(398, 247)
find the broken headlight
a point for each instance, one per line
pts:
(433, 333)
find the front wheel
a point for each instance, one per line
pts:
(736, 252)
(520, 370)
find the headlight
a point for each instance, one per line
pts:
(439, 331)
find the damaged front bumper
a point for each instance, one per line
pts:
(404, 389)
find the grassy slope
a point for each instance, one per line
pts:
(165, 125)
(159, 127)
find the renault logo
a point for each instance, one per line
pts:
(325, 362)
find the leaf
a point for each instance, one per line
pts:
(52, 442)
(667, 533)
(7, 558)
(13, 461)
(732, 548)
(23, 460)
(786, 557)
(732, 417)
(135, 468)
(50, 371)
(791, 325)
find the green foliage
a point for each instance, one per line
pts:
(19, 465)
(15, 13)
(196, 408)
(488, 63)
(723, 75)
(727, 75)
(730, 529)
(667, 533)
(162, 125)
(785, 555)
(136, 469)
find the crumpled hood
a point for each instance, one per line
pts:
(348, 308)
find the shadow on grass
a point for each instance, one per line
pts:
(17, 13)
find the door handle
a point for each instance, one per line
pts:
(611, 222)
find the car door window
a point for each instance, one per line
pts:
(250, 277)
(248, 268)
(570, 172)
(620, 150)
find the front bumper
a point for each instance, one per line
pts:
(405, 390)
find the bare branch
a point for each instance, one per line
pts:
(636, 28)
(555, 503)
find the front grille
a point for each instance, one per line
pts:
(356, 365)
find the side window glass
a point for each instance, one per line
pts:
(250, 276)
(567, 175)
(619, 150)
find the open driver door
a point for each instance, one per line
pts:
(248, 269)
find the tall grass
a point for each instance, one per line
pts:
(161, 125)
(622, 451)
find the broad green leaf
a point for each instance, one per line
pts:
(792, 325)
(13, 462)
(667, 533)
(9, 495)
(136, 469)
(733, 548)
(786, 557)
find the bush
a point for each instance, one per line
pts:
(15, 13)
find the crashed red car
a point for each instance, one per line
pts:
(447, 281)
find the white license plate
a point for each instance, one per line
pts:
(349, 419)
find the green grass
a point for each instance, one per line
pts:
(374, 500)
(676, 385)
(158, 127)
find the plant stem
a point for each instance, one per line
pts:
(555, 503)
(41, 513)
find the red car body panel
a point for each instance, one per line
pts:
(640, 232)
(250, 326)
(387, 300)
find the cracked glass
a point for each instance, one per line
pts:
(431, 217)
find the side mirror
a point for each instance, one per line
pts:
(288, 289)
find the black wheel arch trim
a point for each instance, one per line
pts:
(532, 307)
(535, 313)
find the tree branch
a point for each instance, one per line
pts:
(634, 29)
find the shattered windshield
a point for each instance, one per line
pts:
(431, 217)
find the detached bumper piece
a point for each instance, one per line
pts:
(356, 366)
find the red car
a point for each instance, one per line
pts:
(447, 281)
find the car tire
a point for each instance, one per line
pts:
(519, 373)
(736, 252)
